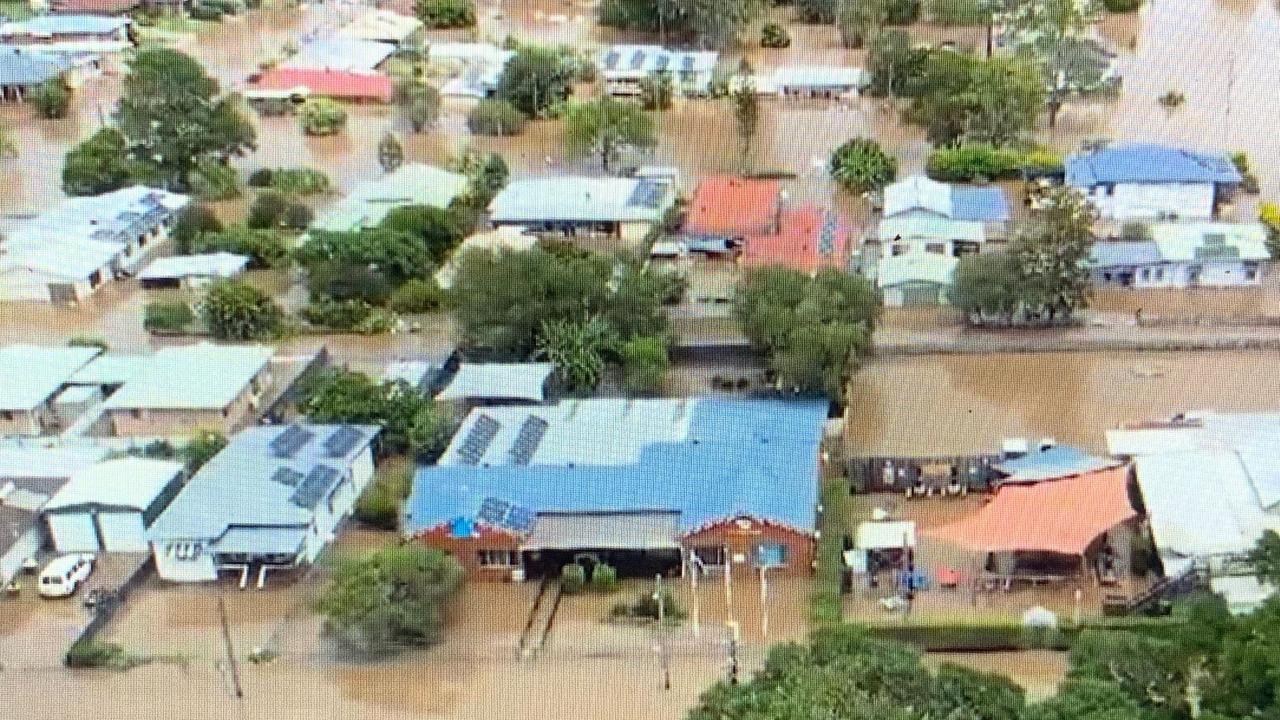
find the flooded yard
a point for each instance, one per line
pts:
(965, 404)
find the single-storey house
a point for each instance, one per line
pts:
(23, 70)
(809, 239)
(623, 67)
(410, 184)
(346, 54)
(21, 535)
(191, 271)
(382, 26)
(1139, 181)
(647, 486)
(498, 383)
(66, 253)
(69, 33)
(321, 82)
(919, 196)
(915, 279)
(727, 207)
(817, 81)
(921, 233)
(30, 378)
(625, 208)
(475, 67)
(1181, 255)
(190, 388)
(426, 374)
(108, 507)
(272, 499)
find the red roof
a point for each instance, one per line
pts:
(328, 83)
(809, 240)
(1060, 516)
(728, 205)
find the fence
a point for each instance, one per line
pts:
(111, 602)
(898, 474)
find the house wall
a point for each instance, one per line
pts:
(333, 510)
(162, 423)
(466, 550)
(743, 536)
(1180, 275)
(24, 284)
(1144, 201)
(897, 295)
(20, 422)
(197, 569)
(26, 546)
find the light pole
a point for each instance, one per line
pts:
(663, 656)
(734, 632)
(764, 603)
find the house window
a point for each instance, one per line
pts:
(1250, 271)
(498, 558)
(936, 248)
(709, 554)
(1106, 277)
(1146, 273)
(185, 550)
(772, 555)
(899, 250)
(1159, 273)
(95, 279)
(136, 413)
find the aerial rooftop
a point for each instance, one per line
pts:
(30, 375)
(1148, 163)
(204, 376)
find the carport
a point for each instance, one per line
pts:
(637, 543)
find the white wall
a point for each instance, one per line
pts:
(72, 531)
(1178, 275)
(27, 545)
(325, 525)
(1145, 201)
(123, 531)
(168, 566)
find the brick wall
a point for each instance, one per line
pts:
(466, 550)
(743, 535)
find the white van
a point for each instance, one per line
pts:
(62, 576)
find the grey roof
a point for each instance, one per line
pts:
(219, 264)
(1124, 253)
(131, 483)
(410, 184)
(66, 24)
(20, 66)
(646, 59)
(582, 199)
(192, 377)
(606, 530)
(820, 76)
(29, 374)
(112, 369)
(240, 486)
(499, 381)
(262, 540)
(340, 53)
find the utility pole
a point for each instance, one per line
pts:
(695, 567)
(734, 631)
(728, 584)
(663, 654)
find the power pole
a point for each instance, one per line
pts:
(694, 568)
(728, 584)
(663, 654)
(764, 603)
(734, 631)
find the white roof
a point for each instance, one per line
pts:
(582, 199)
(1243, 593)
(1205, 241)
(507, 237)
(192, 377)
(468, 52)
(133, 483)
(220, 264)
(916, 227)
(112, 369)
(28, 461)
(924, 267)
(382, 25)
(30, 375)
(886, 534)
(917, 191)
(820, 76)
(499, 381)
(349, 54)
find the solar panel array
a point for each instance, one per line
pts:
(827, 236)
(647, 194)
(611, 60)
(637, 60)
(478, 438)
(526, 444)
(287, 476)
(342, 441)
(314, 487)
(500, 513)
(289, 442)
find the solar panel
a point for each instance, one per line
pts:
(493, 511)
(647, 194)
(314, 487)
(287, 476)
(473, 447)
(526, 444)
(342, 441)
(519, 518)
(290, 441)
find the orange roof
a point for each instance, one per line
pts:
(1061, 516)
(809, 239)
(729, 205)
(338, 84)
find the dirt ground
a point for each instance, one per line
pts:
(965, 404)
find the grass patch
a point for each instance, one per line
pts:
(100, 654)
(15, 9)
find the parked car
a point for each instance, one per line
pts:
(64, 575)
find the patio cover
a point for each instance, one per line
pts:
(1061, 517)
(655, 530)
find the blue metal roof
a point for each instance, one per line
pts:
(1124, 253)
(740, 457)
(1146, 163)
(27, 68)
(985, 204)
(1054, 462)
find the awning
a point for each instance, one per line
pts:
(1064, 517)
(260, 541)
(609, 531)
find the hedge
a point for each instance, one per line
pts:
(983, 163)
(1013, 636)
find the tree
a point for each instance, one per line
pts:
(52, 99)
(818, 12)
(1004, 98)
(1052, 252)
(712, 23)
(1055, 33)
(961, 693)
(1265, 558)
(419, 103)
(265, 248)
(495, 117)
(657, 91)
(535, 79)
(167, 316)
(434, 227)
(390, 153)
(987, 285)
(644, 364)
(746, 117)
(577, 348)
(1086, 699)
(173, 115)
(391, 599)
(234, 310)
(444, 14)
(894, 63)
(411, 420)
(99, 164)
(192, 221)
(202, 447)
(605, 127)
(861, 165)
(267, 210)
(1152, 672)
(814, 330)
(322, 116)
(394, 255)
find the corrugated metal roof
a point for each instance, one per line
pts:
(623, 531)
(341, 53)
(731, 205)
(820, 76)
(212, 265)
(47, 462)
(21, 66)
(1148, 163)
(1205, 241)
(708, 459)
(410, 184)
(65, 25)
(260, 541)
(31, 374)
(981, 204)
(1055, 462)
(499, 381)
(204, 376)
(1123, 253)
(112, 369)
(645, 59)
(917, 227)
(331, 83)
(579, 199)
(131, 482)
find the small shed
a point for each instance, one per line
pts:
(108, 507)
(191, 270)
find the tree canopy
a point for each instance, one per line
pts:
(535, 79)
(235, 310)
(861, 164)
(396, 255)
(711, 23)
(605, 127)
(99, 164)
(960, 97)
(411, 421)
(435, 228)
(391, 599)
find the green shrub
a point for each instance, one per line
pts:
(983, 163)
(297, 216)
(956, 12)
(337, 314)
(902, 12)
(170, 316)
(379, 506)
(604, 578)
(192, 220)
(773, 35)
(300, 181)
(1121, 6)
(645, 607)
(267, 210)
(51, 99)
(441, 14)
(260, 178)
(416, 296)
(322, 116)
(1135, 232)
(861, 164)
(205, 12)
(495, 117)
(265, 248)
(213, 181)
(572, 579)
(97, 654)
(378, 322)
(91, 341)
